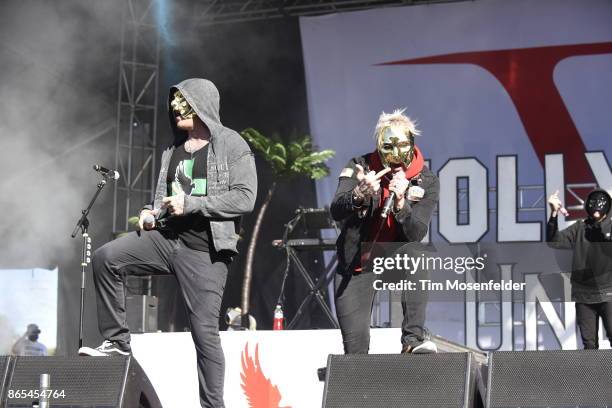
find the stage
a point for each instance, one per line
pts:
(287, 359)
(269, 369)
(279, 369)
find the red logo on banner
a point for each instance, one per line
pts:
(527, 75)
(258, 389)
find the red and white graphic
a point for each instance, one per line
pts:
(527, 76)
(258, 389)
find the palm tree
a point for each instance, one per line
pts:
(288, 160)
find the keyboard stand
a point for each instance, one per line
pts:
(315, 288)
(313, 219)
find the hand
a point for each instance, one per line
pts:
(368, 184)
(143, 216)
(399, 184)
(175, 204)
(555, 203)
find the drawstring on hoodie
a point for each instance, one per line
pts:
(212, 145)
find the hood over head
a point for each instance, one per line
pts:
(203, 96)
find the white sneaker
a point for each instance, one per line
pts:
(426, 347)
(107, 348)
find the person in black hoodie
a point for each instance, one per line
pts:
(207, 181)
(395, 167)
(591, 276)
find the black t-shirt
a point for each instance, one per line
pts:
(187, 174)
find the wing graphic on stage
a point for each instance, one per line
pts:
(258, 389)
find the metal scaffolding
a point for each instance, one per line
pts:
(136, 138)
(211, 12)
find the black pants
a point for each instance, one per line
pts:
(354, 298)
(201, 280)
(587, 315)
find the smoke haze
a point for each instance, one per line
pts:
(57, 119)
(58, 81)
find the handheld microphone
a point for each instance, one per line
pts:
(111, 174)
(157, 219)
(389, 202)
(149, 219)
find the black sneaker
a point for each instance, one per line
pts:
(108, 348)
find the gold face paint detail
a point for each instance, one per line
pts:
(180, 106)
(395, 146)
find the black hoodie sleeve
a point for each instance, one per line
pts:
(414, 217)
(342, 205)
(561, 239)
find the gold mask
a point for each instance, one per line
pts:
(395, 146)
(180, 106)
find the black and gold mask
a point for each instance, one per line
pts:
(181, 107)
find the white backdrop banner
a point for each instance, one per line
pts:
(492, 84)
(513, 100)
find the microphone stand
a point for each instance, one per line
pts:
(289, 227)
(83, 225)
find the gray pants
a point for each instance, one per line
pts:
(354, 297)
(201, 279)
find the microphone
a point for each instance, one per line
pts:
(157, 219)
(563, 211)
(111, 174)
(389, 202)
(149, 219)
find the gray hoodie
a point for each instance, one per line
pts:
(231, 174)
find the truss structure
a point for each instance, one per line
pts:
(531, 198)
(136, 138)
(211, 12)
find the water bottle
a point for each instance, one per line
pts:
(279, 320)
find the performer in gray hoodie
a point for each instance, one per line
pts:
(207, 181)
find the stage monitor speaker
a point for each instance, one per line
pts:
(444, 380)
(551, 379)
(5, 363)
(81, 382)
